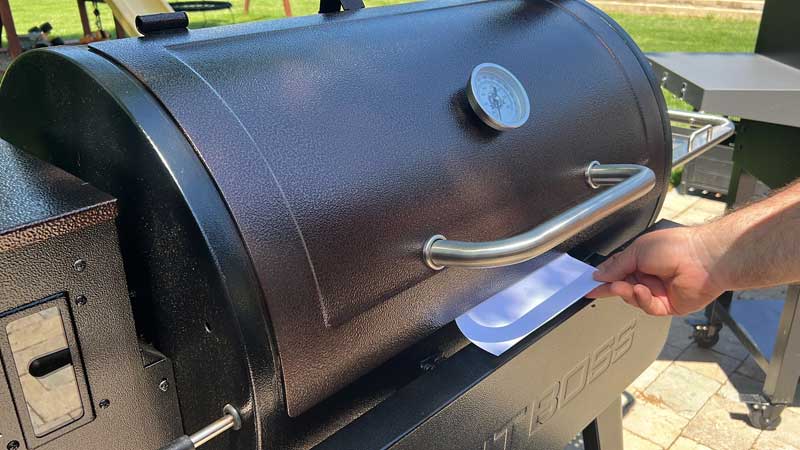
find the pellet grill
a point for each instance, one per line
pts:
(245, 227)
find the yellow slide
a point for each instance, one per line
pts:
(125, 11)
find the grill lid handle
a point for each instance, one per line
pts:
(628, 182)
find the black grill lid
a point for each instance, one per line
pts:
(341, 143)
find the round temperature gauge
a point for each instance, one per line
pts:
(497, 97)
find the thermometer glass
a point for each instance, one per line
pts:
(497, 97)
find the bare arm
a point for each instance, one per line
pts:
(681, 270)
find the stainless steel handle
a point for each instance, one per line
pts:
(628, 182)
(712, 130)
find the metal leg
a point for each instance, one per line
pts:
(783, 369)
(745, 188)
(605, 432)
(784, 366)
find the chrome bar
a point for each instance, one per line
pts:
(713, 130)
(230, 420)
(628, 183)
(211, 431)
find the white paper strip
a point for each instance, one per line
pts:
(507, 317)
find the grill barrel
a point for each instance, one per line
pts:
(277, 181)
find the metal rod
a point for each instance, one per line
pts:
(630, 182)
(229, 420)
(715, 129)
(211, 431)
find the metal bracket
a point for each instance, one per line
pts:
(334, 6)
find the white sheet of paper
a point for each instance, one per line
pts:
(507, 317)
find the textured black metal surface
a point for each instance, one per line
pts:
(193, 292)
(33, 211)
(334, 218)
(139, 415)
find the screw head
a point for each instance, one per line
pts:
(163, 385)
(79, 265)
(13, 445)
(105, 403)
(80, 300)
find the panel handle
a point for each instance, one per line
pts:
(628, 182)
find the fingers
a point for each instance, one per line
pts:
(604, 290)
(618, 267)
(644, 299)
(634, 294)
(616, 289)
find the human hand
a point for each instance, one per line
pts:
(666, 272)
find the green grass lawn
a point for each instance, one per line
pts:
(63, 14)
(652, 33)
(683, 34)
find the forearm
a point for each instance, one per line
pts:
(756, 246)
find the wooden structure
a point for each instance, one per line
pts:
(7, 23)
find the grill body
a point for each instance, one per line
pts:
(276, 182)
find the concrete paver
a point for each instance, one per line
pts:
(768, 442)
(682, 390)
(634, 442)
(712, 364)
(668, 354)
(737, 385)
(683, 443)
(689, 209)
(661, 425)
(722, 424)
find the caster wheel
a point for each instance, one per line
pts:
(704, 339)
(760, 418)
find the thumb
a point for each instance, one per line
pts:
(618, 266)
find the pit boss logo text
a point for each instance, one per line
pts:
(531, 418)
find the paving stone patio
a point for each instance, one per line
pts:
(688, 399)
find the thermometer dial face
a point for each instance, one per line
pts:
(497, 97)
